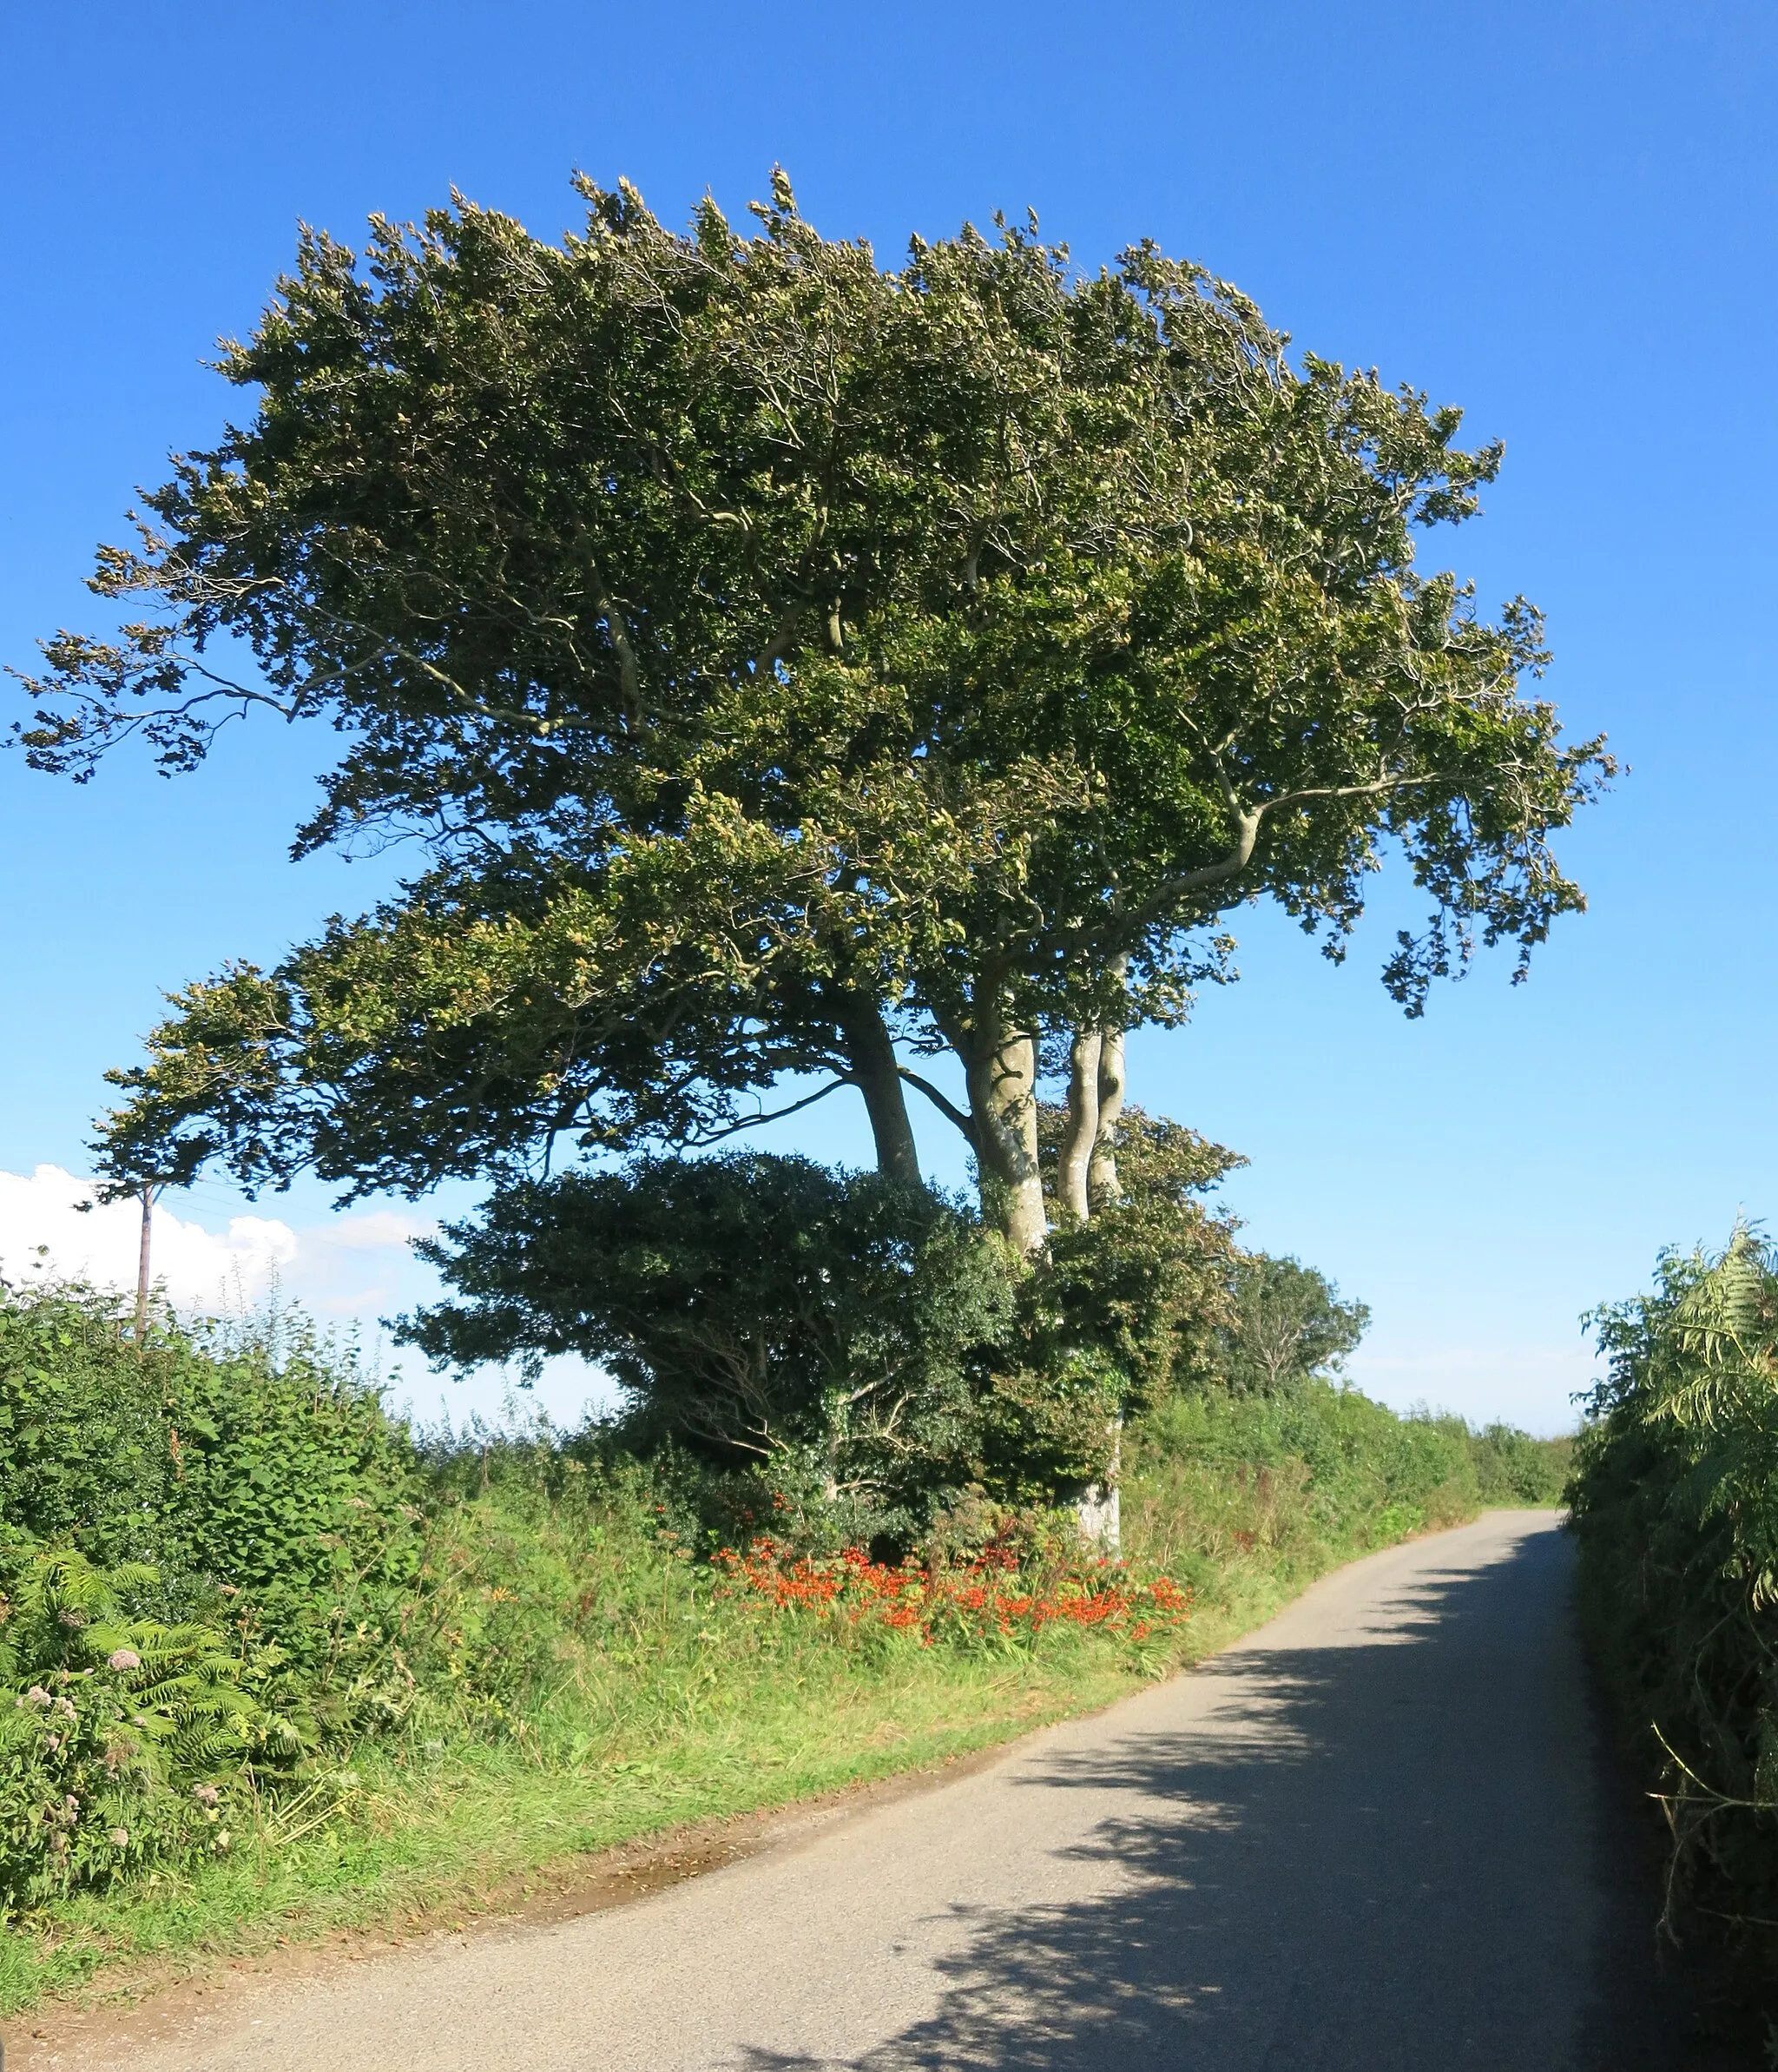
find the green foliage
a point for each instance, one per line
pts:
(81, 1431)
(770, 647)
(1674, 1500)
(1512, 1468)
(835, 1330)
(233, 1511)
(1287, 1323)
(547, 1661)
(293, 1487)
(1224, 1490)
(1141, 1287)
(861, 1341)
(1323, 1463)
(258, 1460)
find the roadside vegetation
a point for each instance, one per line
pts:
(1675, 1502)
(272, 1662)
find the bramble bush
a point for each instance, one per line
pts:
(258, 1453)
(206, 1550)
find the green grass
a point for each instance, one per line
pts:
(419, 1843)
(581, 1685)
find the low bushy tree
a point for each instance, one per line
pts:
(764, 1311)
(1287, 1322)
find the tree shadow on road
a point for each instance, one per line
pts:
(1375, 1855)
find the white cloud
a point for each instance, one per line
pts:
(350, 1270)
(51, 1225)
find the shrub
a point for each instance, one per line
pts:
(258, 1458)
(834, 1330)
(1512, 1468)
(1141, 1288)
(1674, 1502)
(1321, 1464)
(82, 1433)
(292, 1486)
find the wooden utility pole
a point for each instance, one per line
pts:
(141, 1272)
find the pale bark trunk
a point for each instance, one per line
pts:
(1002, 1067)
(1100, 1509)
(142, 1283)
(1080, 1134)
(871, 1053)
(1101, 1172)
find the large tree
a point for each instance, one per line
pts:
(782, 658)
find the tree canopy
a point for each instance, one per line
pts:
(791, 665)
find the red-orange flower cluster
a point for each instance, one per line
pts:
(989, 1594)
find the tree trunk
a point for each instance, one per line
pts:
(1100, 1509)
(142, 1283)
(871, 1052)
(1080, 1135)
(1101, 1170)
(1002, 1067)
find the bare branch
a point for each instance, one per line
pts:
(947, 1109)
(752, 1122)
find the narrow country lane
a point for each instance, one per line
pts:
(1369, 1837)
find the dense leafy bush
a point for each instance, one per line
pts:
(1319, 1462)
(1297, 1477)
(1512, 1468)
(1674, 1500)
(233, 1513)
(833, 1329)
(260, 1459)
(83, 1433)
(291, 1484)
(852, 1340)
(1141, 1289)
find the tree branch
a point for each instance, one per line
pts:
(752, 1122)
(947, 1109)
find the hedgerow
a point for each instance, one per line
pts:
(1674, 1502)
(234, 1586)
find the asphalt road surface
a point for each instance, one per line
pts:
(1371, 1836)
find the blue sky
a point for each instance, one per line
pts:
(1560, 216)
